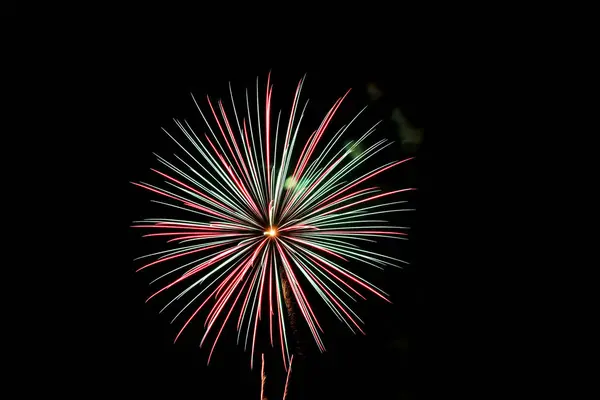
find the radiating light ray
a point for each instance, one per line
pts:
(255, 241)
(215, 192)
(323, 290)
(327, 274)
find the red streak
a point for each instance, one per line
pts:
(299, 294)
(270, 304)
(316, 261)
(355, 232)
(195, 312)
(364, 179)
(179, 255)
(238, 183)
(222, 132)
(334, 300)
(268, 131)
(351, 278)
(317, 247)
(210, 212)
(225, 321)
(326, 121)
(192, 189)
(237, 149)
(367, 199)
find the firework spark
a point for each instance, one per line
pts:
(263, 378)
(263, 216)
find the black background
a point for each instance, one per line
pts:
(126, 347)
(384, 363)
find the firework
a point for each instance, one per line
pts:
(268, 216)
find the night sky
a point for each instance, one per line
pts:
(148, 88)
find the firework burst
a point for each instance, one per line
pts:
(266, 223)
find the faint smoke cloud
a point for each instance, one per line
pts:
(410, 136)
(373, 91)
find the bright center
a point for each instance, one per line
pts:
(271, 232)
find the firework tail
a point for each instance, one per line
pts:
(287, 379)
(264, 378)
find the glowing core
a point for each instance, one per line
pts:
(272, 232)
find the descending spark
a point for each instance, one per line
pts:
(270, 216)
(287, 379)
(263, 377)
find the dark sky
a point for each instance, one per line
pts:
(150, 86)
